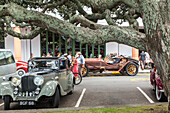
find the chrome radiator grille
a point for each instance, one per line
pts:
(27, 84)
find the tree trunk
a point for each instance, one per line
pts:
(158, 39)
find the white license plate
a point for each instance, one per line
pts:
(24, 103)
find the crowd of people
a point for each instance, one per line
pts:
(77, 61)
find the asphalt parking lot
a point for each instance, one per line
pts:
(104, 91)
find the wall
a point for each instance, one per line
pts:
(21, 48)
(120, 49)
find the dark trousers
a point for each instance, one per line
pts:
(80, 69)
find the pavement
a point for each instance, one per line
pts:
(100, 92)
(98, 74)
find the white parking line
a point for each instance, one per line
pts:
(2, 104)
(80, 98)
(147, 97)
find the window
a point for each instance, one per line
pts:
(2, 58)
(9, 57)
(62, 64)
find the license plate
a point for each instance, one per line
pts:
(24, 103)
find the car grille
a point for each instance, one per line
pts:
(27, 84)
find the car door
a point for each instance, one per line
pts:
(2, 63)
(63, 74)
(10, 68)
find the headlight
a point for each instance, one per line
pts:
(38, 80)
(15, 81)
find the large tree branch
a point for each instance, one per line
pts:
(102, 5)
(30, 35)
(84, 35)
(54, 5)
(79, 6)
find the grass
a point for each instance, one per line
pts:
(143, 109)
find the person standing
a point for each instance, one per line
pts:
(81, 62)
(75, 66)
(142, 59)
(70, 56)
(147, 59)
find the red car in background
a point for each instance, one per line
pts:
(115, 65)
(21, 67)
(155, 80)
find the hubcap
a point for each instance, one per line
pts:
(20, 73)
(132, 69)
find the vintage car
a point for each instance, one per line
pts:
(116, 65)
(46, 80)
(155, 81)
(21, 67)
(7, 64)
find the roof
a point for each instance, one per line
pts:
(5, 50)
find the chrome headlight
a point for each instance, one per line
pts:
(38, 80)
(16, 81)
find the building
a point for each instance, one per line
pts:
(53, 43)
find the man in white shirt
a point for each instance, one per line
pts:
(147, 59)
(80, 61)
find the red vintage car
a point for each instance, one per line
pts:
(21, 67)
(155, 80)
(116, 65)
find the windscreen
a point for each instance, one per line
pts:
(42, 65)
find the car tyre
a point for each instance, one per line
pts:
(6, 102)
(160, 95)
(85, 71)
(77, 79)
(131, 69)
(56, 99)
(20, 72)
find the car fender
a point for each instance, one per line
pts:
(22, 67)
(159, 82)
(124, 65)
(152, 77)
(49, 89)
(6, 89)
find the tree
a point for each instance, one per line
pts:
(154, 13)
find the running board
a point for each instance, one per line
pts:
(113, 72)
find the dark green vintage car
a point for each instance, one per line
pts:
(47, 78)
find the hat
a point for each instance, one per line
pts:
(78, 53)
(76, 56)
(65, 54)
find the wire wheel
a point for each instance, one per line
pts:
(160, 95)
(131, 69)
(85, 71)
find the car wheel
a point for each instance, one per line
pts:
(6, 102)
(131, 69)
(160, 95)
(20, 72)
(85, 71)
(56, 99)
(78, 79)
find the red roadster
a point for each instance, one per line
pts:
(157, 85)
(21, 67)
(120, 65)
